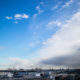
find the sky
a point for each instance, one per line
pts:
(39, 33)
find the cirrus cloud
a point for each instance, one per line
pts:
(67, 4)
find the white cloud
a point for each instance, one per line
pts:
(39, 10)
(17, 63)
(51, 24)
(34, 44)
(56, 6)
(21, 16)
(7, 17)
(64, 41)
(17, 17)
(20, 63)
(67, 4)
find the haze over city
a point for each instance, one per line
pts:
(39, 33)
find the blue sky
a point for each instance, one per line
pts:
(26, 26)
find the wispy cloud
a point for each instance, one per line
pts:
(7, 17)
(56, 6)
(34, 44)
(67, 4)
(39, 10)
(52, 24)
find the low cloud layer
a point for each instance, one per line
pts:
(72, 61)
(20, 63)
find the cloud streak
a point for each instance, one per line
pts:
(52, 24)
(39, 10)
(56, 6)
(67, 4)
